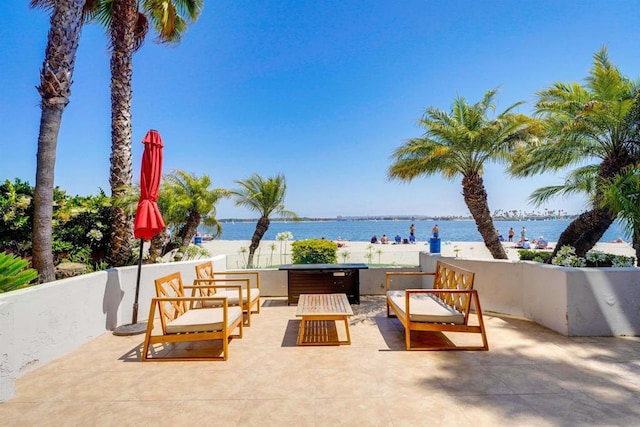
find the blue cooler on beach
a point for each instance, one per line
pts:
(197, 240)
(434, 245)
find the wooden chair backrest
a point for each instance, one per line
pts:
(168, 287)
(204, 271)
(451, 277)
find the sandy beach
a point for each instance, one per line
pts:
(271, 250)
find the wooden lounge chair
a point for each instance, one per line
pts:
(205, 275)
(181, 321)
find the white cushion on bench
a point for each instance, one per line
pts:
(425, 308)
(203, 320)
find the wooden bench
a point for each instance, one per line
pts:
(444, 308)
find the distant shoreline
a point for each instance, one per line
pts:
(408, 218)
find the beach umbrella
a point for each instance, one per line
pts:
(148, 220)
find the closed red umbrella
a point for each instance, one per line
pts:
(148, 220)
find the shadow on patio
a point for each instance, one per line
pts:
(530, 376)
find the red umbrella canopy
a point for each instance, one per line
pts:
(148, 221)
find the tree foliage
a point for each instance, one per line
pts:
(80, 224)
(186, 201)
(458, 144)
(14, 273)
(266, 198)
(589, 131)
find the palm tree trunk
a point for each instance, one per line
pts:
(585, 231)
(189, 230)
(475, 196)
(122, 39)
(56, 77)
(261, 228)
(155, 246)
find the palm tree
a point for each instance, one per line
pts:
(459, 144)
(586, 126)
(266, 197)
(186, 201)
(622, 196)
(128, 23)
(56, 77)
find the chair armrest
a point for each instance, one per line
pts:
(388, 275)
(188, 299)
(441, 291)
(201, 287)
(198, 281)
(245, 281)
(191, 300)
(238, 273)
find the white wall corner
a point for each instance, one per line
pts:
(7, 362)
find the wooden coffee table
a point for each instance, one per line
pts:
(319, 313)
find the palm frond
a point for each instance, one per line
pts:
(264, 196)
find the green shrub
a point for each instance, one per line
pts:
(532, 255)
(14, 274)
(567, 258)
(601, 259)
(314, 251)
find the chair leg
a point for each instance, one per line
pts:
(485, 343)
(407, 337)
(248, 311)
(147, 335)
(225, 347)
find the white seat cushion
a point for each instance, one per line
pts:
(425, 308)
(232, 296)
(203, 320)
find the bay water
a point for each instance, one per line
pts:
(363, 230)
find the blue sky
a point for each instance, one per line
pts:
(321, 91)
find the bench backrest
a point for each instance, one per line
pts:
(449, 276)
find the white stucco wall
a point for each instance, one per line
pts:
(7, 358)
(603, 302)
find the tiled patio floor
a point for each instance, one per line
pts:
(530, 376)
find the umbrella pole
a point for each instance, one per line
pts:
(134, 327)
(135, 302)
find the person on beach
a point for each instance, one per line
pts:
(412, 230)
(523, 233)
(398, 239)
(511, 234)
(436, 231)
(384, 239)
(542, 244)
(374, 239)
(500, 238)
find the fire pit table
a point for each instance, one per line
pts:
(323, 279)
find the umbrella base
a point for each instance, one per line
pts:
(131, 329)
